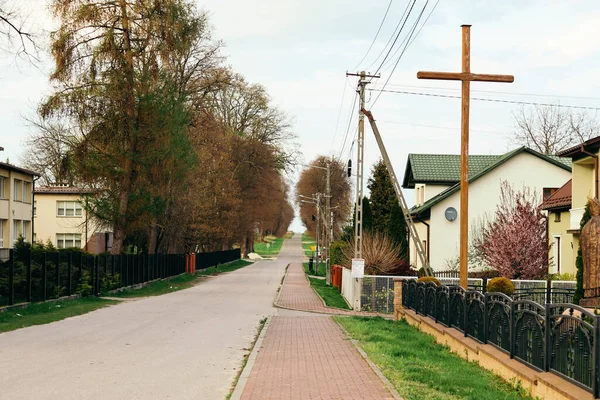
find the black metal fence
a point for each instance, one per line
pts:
(209, 259)
(561, 338)
(27, 276)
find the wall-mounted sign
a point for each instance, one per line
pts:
(450, 214)
(358, 268)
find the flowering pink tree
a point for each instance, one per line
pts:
(514, 242)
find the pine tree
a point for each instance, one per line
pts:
(397, 231)
(367, 219)
(383, 197)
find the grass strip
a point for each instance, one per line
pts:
(44, 313)
(307, 242)
(321, 271)
(232, 266)
(273, 249)
(179, 282)
(421, 368)
(329, 294)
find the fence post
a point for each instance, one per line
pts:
(595, 388)
(548, 291)
(80, 266)
(465, 312)
(11, 277)
(57, 269)
(485, 318)
(45, 292)
(97, 266)
(511, 330)
(28, 261)
(484, 285)
(548, 337)
(69, 272)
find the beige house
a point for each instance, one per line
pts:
(16, 194)
(566, 207)
(435, 178)
(61, 219)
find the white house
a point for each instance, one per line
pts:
(16, 187)
(435, 178)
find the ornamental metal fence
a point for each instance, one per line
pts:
(33, 276)
(561, 338)
(377, 291)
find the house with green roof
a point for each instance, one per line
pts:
(435, 180)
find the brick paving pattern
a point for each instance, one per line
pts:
(297, 294)
(309, 358)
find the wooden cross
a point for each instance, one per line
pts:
(466, 77)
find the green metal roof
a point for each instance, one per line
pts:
(423, 209)
(441, 168)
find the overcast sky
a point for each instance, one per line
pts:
(301, 50)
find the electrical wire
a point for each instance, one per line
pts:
(376, 35)
(531, 103)
(391, 37)
(397, 36)
(350, 119)
(401, 54)
(338, 118)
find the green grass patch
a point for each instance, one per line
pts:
(329, 294)
(232, 266)
(158, 288)
(420, 368)
(321, 271)
(307, 242)
(273, 249)
(179, 282)
(44, 313)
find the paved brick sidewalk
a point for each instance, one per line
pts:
(297, 294)
(309, 358)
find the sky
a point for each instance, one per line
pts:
(301, 50)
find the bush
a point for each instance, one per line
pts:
(502, 285)
(337, 252)
(426, 279)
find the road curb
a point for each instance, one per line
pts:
(374, 367)
(245, 375)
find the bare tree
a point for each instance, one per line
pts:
(550, 129)
(17, 36)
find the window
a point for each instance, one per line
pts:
(66, 240)
(26, 192)
(549, 192)
(557, 216)
(556, 250)
(17, 229)
(18, 190)
(2, 222)
(35, 208)
(68, 209)
(2, 187)
(26, 229)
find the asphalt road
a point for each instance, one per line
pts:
(185, 345)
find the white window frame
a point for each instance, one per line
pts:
(66, 240)
(17, 229)
(26, 192)
(18, 190)
(557, 253)
(69, 205)
(25, 232)
(3, 180)
(2, 233)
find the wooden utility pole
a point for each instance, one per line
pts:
(360, 154)
(328, 229)
(466, 77)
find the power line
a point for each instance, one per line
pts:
(532, 103)
(376, 35)
(440, 88)
(401, 54)
(391, 37)
(348, 128)
(397, 36)
(421, 28)
(457, 129)
(338, 117)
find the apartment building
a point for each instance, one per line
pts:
(16, 196)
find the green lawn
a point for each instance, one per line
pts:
(321, 271)
(420, 368)
(329, 294)
(308, 241)
(232, 266)
(179, 282)
(44, 313)
(274, 246)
